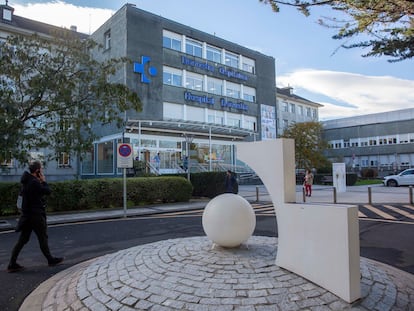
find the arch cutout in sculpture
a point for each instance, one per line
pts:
(317, 241)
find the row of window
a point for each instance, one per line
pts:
(63, 159)
(198, 82)
(372, 141)
(298, 109)
(190, 113)
(181, 43)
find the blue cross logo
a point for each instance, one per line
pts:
(140, 68)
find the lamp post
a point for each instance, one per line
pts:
(188, 141)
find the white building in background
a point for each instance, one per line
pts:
(382, 141)
(291, 108)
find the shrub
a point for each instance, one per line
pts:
(102, 193)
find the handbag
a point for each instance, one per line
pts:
(19, 202)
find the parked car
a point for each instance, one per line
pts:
(405, 178)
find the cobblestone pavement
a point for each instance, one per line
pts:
(188, 274)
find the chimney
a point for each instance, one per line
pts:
(73, 28)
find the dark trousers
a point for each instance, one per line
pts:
(27, 224)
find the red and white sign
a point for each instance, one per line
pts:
(124, 159)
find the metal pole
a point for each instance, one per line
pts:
(410, 192)
(303, 194)
(369, 195)
(125, 193)
(334, 194)
(209, 149)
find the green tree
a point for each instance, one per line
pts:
(52, 90)
(389, 24)
(309, 145)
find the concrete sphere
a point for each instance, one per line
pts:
(229, 220)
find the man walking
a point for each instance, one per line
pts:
(33, 216)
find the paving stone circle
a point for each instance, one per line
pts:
(188, 274)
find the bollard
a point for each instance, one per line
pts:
(303, 194)
(369, 196)
(410, 193)
(257, 194)
(334, 194)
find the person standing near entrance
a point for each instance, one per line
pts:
(308, 183)
(230, 183)
(33, 216)
(157, 160)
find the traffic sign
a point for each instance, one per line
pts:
(124, 159)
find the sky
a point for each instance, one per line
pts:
(307, 58)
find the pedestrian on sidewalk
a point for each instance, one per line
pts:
(230, 183)
(308, 182)
(33, 217)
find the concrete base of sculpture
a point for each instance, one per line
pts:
(319, 242)
(229, 220)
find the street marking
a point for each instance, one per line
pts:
(399, 211)
(361, 215)
(388, 221)
(379, 212)
(409, 207)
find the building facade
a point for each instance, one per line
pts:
(382, 141)
(200, 94)
(291, 108)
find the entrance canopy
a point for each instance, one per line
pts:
(195, 129)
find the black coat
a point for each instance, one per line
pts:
(33, 195)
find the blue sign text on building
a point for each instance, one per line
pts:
(202, 99)
(206, 66)
(230, 104)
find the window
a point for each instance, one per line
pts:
(234, 120)
(171, 40)
(194, 48)
(248, 64)
(107, 40)
(285, 124)
(285, 107)
(215, 86)
(5, 159)
(233, 90)
(195, 114)
(301, 110)
(7, 14)
(231, 59)
(314, 112)
(172, 76)
(88, 162)
(308, 112)
(173, 111)
(64, 159)
(249, 123)
(249, 94)
(292, 108)
(213, 54)
(106, 157)
(194, 81)
(216, 117)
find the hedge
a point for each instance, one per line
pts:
(102, 193)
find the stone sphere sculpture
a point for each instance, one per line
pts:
(229, 220)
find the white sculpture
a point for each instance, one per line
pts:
(229, 220)
(317, 241)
